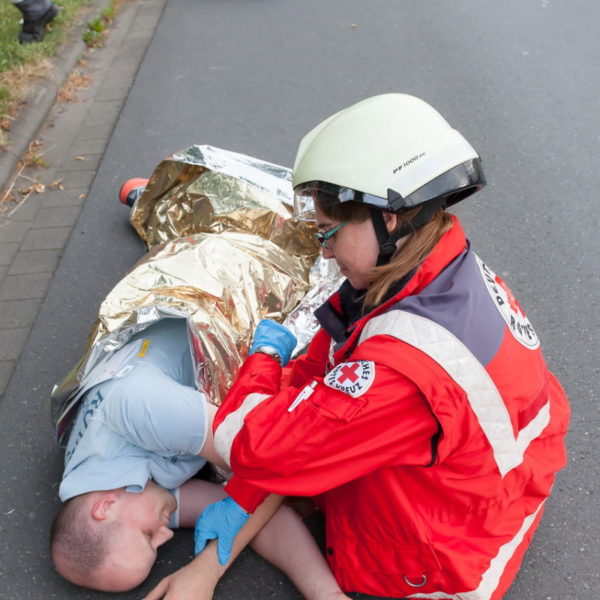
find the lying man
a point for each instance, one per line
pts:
(138, 437)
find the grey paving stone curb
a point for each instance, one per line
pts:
(34, 234)
(42, 98)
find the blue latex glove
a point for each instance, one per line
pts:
(276, 336)
(222, 520)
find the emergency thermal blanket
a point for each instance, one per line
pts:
(225, 253)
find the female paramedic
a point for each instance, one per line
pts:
(422, 418)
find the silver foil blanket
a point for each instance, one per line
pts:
(224, 253)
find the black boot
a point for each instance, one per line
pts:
(36, 15)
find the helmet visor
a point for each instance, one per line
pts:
(307, 196)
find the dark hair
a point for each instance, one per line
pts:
(76, 542)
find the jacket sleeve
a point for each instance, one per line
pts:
(305, 440)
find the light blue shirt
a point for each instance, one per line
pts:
(149, 423)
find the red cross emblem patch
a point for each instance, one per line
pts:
(352, 378)
(508, 307)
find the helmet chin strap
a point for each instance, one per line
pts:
(387, 241)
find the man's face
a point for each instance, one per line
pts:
(143, 520)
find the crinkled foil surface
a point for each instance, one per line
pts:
(205, 189)
(224, 253)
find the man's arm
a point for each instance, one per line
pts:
(197, 580)
(284, 541)
(151, 410)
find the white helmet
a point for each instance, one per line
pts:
(393, 152)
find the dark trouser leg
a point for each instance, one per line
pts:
(36, 15)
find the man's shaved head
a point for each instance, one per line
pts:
(107, 540)
(78, 545)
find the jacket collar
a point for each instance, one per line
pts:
(331, 316)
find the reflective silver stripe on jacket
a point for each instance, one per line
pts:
(231, 425)
(491, 578)
(487, 404)
(457, 360)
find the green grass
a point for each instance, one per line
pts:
(16, 59)
(13, 54)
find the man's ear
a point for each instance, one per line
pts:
(391, 221)
(104, 505)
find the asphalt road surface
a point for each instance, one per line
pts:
(519, 78)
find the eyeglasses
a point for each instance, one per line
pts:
(323, 236)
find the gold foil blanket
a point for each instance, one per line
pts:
(224, 253)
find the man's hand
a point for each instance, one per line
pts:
(195, 581)
(222, 520)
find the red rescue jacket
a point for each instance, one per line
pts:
(430, 433)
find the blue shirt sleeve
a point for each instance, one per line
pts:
(151, 410)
